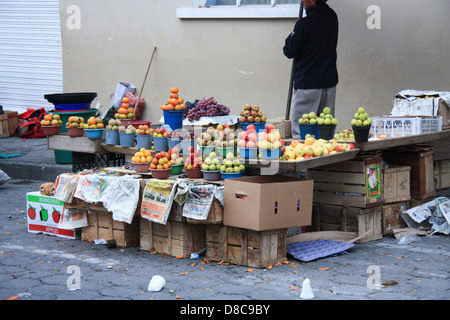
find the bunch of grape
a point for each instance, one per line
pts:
(205, 108)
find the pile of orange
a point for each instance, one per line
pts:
(94, 123)
(175, 102)
(125, 111)
(75, 122)
(142, 156)
(161, 161)
(51, 119)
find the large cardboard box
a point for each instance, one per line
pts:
(43, 215)
(267, 202)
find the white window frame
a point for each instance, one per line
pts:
(199, 11)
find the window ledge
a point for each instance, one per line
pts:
(244, 12)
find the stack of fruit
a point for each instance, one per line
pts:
(311, 148)
(270, 143)
(248, 143)
(361, 118)
(345, 135)
(141, 160)
(175, 160)
(361, 124)
(326, 117)
(175, 102)
(193, 162)
(74, 126)
(206, 108)
(51, 119)
(231, 167)
(113, 124)
(128, 129)
(308, 118)
(144, 129)
(160, 133)
(252, 114)
(94, 123)
(125, 111)
(51, 124)
(210, 167)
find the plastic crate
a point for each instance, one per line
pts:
(392, 127)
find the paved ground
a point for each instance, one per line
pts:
(40, 267)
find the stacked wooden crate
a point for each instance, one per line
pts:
(348, 197)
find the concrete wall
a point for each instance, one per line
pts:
(240, 61)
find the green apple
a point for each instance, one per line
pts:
(326, 110)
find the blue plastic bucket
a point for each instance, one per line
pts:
(248, 153)
(226, 175)
(259, 126)
(126, 139)
(312, 129)
(160, 144)
(94, 133)
(174, 143)
(112, 137)
(174, 119)
(271, 154)
(144, 141)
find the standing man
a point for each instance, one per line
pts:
(313, 46)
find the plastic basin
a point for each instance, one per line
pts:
(94, 133)
(212, 175)
(112, 137)
(51, 130)
(194, 173)
(160, 173)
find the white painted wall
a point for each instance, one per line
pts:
(241, 61)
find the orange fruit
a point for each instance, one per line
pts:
(174, 95)
(125, 100)
(130, 110)
(91, 121)
(163, 107)
(178, 107)
(122, 111)
(180, 100)
(170, 107)
(172, 101)
(100, 125)
(174, 90)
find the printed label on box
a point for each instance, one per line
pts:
(44, 214)
(373, 182)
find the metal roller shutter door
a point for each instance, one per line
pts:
(30, 53)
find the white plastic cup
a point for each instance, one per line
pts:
(156, 283)
(307, 290)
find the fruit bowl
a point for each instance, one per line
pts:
(141, 167)
(259, 126)
(271, 154)
(176, 169)
(75, 132)
(160, 173)
(211, 175)
(194, 173)
(230, 175)
(248, 153)
(51, 130)
(94, 133)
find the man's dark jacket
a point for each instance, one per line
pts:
(313, 46)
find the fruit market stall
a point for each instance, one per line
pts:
(235, 188)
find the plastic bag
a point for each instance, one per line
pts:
(3, 177)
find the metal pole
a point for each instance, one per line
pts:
(291, 82)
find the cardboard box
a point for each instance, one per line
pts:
(43, 214)
(421, 103)
(283, 126)
(267, 202)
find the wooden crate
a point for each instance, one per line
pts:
(420, 159)
(4, 126)
(178, 239)
(392, 216)
(366, 223)
(442, 174)
(215, 215)
(245, 247)
(396, 183)
(102, 226)
(349, 183)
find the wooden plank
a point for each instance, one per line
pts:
(118, 149)
(322, 235)
(4, 126)
(402, 141)
(337, 177)
(283, 165)
(76, 144)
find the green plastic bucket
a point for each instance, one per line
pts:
(62, 156)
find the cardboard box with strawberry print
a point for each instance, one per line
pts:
(44, 214)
